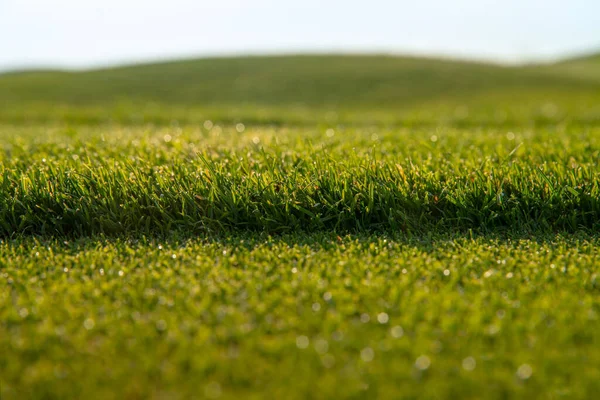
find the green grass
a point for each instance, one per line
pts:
(301, 227)
(175, 318)
(584, 67)
(155, 180)
(307, 90)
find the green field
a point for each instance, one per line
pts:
(301, 227)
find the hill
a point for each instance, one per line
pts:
(584, 67)
(305, 88)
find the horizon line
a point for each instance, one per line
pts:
(150, 60)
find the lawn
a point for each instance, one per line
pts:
(301, 227)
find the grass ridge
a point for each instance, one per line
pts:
(302, 186)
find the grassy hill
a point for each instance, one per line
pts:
(584, 67)
(304, 89)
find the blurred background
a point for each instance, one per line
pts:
(91, 33)
(428, 62)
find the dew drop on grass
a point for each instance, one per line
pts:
(161, 325)
(397, 331)
(524, 371)
(89, 324)
(383, 318)
(422, 363)
(367, 354)
(302, 342)
(321, 346)
(492, 329)
(469, 364)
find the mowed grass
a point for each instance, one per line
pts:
(308, 90)
(321, 227)
(156, 180)
(300, 316)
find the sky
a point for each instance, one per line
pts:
(89, 33)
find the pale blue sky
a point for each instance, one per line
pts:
(85, 33)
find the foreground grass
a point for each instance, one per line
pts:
(300, 316)
(156, 180)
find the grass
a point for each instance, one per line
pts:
(299, 316)
(153, 181)
(300, 227)
(308, 90)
